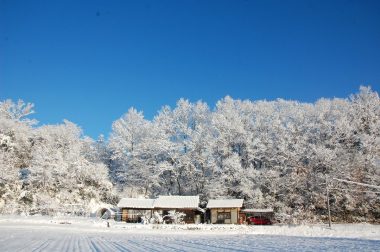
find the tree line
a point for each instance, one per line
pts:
(270, 153)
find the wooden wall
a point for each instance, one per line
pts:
(233, 213)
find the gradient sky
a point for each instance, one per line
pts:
(89, 61)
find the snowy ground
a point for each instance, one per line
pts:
(80, 234)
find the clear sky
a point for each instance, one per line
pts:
(89, 61)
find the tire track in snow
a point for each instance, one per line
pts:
(108, 245)
(77, 243)
(60, 244)
(214, 245)
(69, 242)
(95, 246)
(102, 244)
(43, 245)
(139, 244)
(237, 242)
(121, 247)
(98, 244)
(27, 243)
(8, 241)
(17, 242)
(72, 239)
(174, 246)
(193, 245)
(129, 246)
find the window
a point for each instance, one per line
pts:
(223, 215)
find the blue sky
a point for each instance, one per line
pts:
(89, 61)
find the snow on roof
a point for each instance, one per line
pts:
(257, 210)
(177, 202)
(136, 203)
(225, 203)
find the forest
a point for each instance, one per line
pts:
(280, 154)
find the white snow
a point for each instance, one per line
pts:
(89, 234)
(225, 203)
(257, 210)
(136, 203)
(177, 202)
(161, 202)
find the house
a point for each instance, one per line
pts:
(185, 204)
(134, 209)
(225, 211)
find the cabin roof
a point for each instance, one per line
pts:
(225, 203)
(177, 202)
(170, 202)
(257, 210)
(136, 203)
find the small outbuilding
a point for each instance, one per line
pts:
(107, 213)
(134, 209)
(258, 216)
(225, 211)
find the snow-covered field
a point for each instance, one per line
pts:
(81, 234)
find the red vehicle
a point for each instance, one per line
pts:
(258, 220)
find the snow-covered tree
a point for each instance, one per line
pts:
(271, 153)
